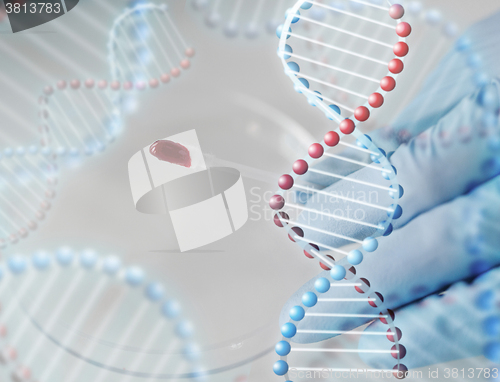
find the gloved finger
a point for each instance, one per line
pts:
(462, 323)
(447, 161)
(452, 242)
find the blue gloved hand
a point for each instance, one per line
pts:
(449, 230)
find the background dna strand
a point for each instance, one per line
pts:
(242, 17)
(156, 54)
(28, 179)
(68, 308)
(81, 117)
(84, 117)
(367, 32)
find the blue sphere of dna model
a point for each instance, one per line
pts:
(369, 57)
(62, 314)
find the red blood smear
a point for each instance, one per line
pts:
(172, 152)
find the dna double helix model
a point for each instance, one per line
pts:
(81, 117)
(248, 18)
(369, 45)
